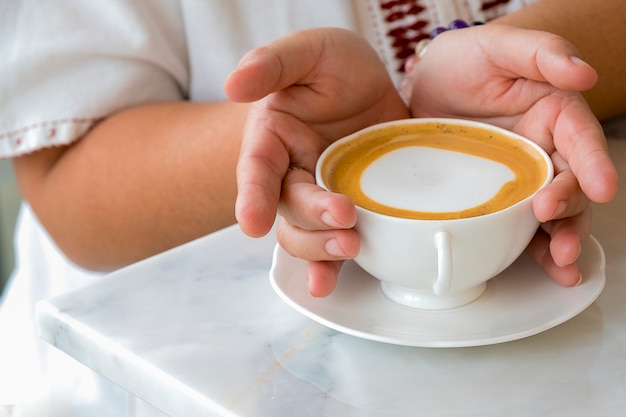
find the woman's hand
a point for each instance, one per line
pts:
(309, 89)
(528, 82)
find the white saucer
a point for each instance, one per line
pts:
(520, 302)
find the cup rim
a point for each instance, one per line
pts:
(444, 120)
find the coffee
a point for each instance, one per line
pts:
(434, 170)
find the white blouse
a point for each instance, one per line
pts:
(69, 63)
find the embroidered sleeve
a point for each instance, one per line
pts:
(401, 24)
(68, 64)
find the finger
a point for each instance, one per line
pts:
(561, 198)
(562, 122)
(272, 67)
(262, 164)
(559, 63)
(310, 207)
(322, 277)
(317, 245)
(308, 69)
(567, 235)
(294, 59)
(514, 67)
(539, 250)
(535, 55)
(272, 142)
(579, 138)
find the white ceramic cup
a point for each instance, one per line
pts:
(437, 263)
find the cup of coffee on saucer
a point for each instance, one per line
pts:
(443, 205)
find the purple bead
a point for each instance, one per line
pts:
(458, 24)
(437, 31)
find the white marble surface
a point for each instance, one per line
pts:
(198, 331)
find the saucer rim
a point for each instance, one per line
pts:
(597, 278)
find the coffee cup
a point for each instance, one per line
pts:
(443, 205)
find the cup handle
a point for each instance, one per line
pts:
(443, 242)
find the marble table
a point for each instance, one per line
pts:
(198, 331)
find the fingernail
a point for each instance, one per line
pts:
(334, 249)
(329, 220)
(580, 279)
(577, 61)
(245, 60)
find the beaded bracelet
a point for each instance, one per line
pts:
(420, 48)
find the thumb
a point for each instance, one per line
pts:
(286, 61)
(537, 55)
(561, 66)
(256, 75)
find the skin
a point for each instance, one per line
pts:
(140, 182)
(111, 198)
(540, 102)
(526, 81)
(596, 29)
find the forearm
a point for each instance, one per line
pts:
(597, 29)
(142, 181)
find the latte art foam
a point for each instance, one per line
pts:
(437, 180)
(434, 171)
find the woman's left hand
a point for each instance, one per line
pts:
(528, 82)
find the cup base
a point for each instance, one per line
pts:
(427, 300)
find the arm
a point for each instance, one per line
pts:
(597, 30)
(141, 181)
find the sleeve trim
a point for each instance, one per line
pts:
(43, 135)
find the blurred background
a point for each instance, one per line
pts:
(9, 204)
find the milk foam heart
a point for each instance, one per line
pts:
(433, 171)
(428, 179)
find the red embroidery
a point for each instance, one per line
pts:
(494, 8)
(406, 23)
(406, 28)
(51, 133)
(491, 4)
